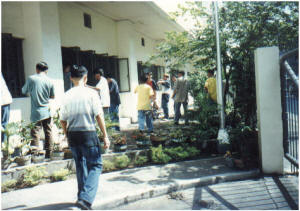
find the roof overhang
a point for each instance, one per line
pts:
(146, 16)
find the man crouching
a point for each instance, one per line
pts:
(80, 107)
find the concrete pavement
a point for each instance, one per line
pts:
(253, 194)
(121, 187)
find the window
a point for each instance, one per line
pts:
(157, 71)
(12, 64)
(124, 85)
(143, 41)
(117, 68)
(87, 20)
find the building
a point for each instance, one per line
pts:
(117, 36)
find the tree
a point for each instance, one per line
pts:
(244, 26)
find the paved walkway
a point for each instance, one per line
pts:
(119, 188)
(254, 194)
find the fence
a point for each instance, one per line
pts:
(290, 110)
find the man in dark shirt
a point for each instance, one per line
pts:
(114, 100)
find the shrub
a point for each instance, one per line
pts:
(108, 166)
(158, 156)
(177, 153)
(60, 175)
(122, 161)
(192, 151)
(33, 176)
(141, 160)
(8, 185)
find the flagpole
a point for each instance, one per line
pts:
(222, 134)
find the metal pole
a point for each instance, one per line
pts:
(222, 135)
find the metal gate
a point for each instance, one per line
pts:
(290, 110)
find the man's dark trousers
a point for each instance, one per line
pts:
(164, 104)
(85, 147)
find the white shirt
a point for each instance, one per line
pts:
(104, 92)
(80, 107)
(5, 94)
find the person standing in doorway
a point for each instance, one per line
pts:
(145, 94)
(80, 108)
(41, 90)
(211, 86)
(114, 100)
(103, 89)
(180, 95)
(6, 100)
(67, 77)
(165, 95)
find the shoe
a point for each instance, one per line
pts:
(84, 205)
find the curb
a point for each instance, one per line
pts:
(179, 185)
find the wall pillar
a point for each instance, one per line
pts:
(126, 49)
(42, 43)
(269, 111)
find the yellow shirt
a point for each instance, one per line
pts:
(144, 92)
(211, 85)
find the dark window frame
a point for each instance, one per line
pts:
(13, 64)
(87, 19)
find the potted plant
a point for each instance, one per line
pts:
(158, 140)
(120, 142)
(37, 156)
(142, 141)
(57, 153)
(25, 157)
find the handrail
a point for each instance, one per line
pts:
(287, 67)
(288, 54)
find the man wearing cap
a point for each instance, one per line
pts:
(80, 108)
(165, 94)
(41, 89)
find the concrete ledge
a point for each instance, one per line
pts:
(121, 199)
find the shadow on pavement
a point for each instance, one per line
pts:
(58, 206)
(127, 178)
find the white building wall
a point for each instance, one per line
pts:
(101, 37)
(12, 19)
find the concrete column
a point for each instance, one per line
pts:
(269, 111)
(126, 49)
(42, 42)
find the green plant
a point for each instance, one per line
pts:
(177, 153)
(108, 166)
(122, 161)
(158, 156)
(192, 151)
(60, 175)
(8, 185)
(33, 176)
(56, 119)
(141, 160)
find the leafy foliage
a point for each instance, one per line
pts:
(141, 160)
(158, 156)
(8, 185)
(33, 176)
(108, 166)
(122, 161)
(60, 175)
(244, 26)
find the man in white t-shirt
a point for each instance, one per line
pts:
(102, 87)
(6, 100)
(80, 107)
